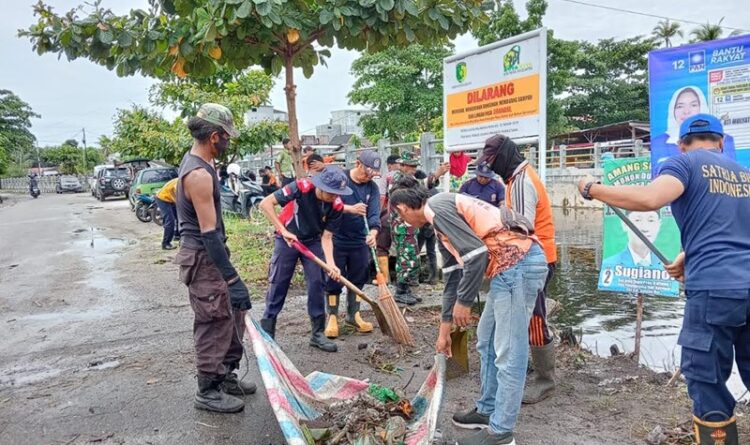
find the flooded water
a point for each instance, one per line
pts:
(603, 319)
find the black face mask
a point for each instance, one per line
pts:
(221, 146)
(506, 161)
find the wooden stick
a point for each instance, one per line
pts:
(638, 325)
(675, 376)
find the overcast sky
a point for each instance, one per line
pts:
(73, 95)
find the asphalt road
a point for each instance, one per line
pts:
(95, 333)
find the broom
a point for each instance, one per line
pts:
(398, 327)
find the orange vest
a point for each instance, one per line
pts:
(544, 226)
(505, 248)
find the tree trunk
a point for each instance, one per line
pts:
(291, 106)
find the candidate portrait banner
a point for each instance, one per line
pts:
(709, 77)
(497, 88)
(628, 266)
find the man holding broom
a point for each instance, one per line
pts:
(483, 240)
(709, 196)
(354, 234)
(310, 206)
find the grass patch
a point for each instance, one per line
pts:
(251, 244)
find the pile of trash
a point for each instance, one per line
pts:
(378, 416)
(323, 409)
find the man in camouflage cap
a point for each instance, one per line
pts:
(217, 294)
(218, 115)
(405, 240)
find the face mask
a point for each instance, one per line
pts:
(221, 146)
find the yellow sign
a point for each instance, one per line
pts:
(505, 100)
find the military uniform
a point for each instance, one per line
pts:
(404, 239)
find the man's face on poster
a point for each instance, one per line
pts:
(647, 222)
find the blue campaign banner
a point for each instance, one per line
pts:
(709, 77)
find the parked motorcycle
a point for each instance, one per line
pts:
(240, 195)
(33, 187)
(146, 209)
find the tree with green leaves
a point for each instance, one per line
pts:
(611, 83)
(707, 32)
(193, 37)
(404, 87)
(141, 132)
(16, 140)
(69, 158)
(666, 31)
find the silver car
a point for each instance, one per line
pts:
(68, 184)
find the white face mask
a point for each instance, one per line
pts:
(407, 224)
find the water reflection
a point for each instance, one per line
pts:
(607, 318)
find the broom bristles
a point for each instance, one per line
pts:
(396, 321)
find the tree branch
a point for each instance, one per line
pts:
(303, 44)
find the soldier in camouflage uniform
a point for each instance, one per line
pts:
(405, 241)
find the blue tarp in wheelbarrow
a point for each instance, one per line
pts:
(294, 397)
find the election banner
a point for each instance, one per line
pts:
(709, 77)
(497, 88)
(628, 266)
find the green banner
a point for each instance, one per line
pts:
(627, 264)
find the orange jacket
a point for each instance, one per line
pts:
(525, 193)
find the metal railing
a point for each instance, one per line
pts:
(428, 148)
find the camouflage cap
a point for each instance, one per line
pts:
(408, 158)
(218, 115)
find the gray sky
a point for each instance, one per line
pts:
(74, 95)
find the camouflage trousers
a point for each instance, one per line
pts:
(407, 251)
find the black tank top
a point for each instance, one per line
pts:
(190, 229)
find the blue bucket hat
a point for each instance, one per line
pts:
(332, 180)
(484, 170)
(701, 124)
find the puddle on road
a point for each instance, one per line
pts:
(68, 317)
(607, 318)
(26, 376)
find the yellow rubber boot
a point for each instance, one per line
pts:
(384, 268)
(359, 324)
(353, 317)
(332, 326)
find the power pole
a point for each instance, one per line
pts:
(85, 164)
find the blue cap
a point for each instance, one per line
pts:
(484, 170)
(332, 180)
(701, 124)
(370, 159)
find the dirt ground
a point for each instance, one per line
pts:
(96, 347)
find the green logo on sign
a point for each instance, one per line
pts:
(512, 59)
(461, 72)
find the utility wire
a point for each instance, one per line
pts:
(645, 14)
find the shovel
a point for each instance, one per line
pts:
(458, 364)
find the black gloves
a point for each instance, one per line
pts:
(215, 248)
(239, 296)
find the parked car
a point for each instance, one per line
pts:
(68, 184)
(150, 180)
(112, 181)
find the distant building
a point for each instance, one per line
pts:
(342, 122)
(265, 113)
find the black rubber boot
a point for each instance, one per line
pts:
(716, 433)
(542, 384)
(269, 325)
(318, 337)
(403, 295)
(409, 287)
(234, 386)
(210, 397)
